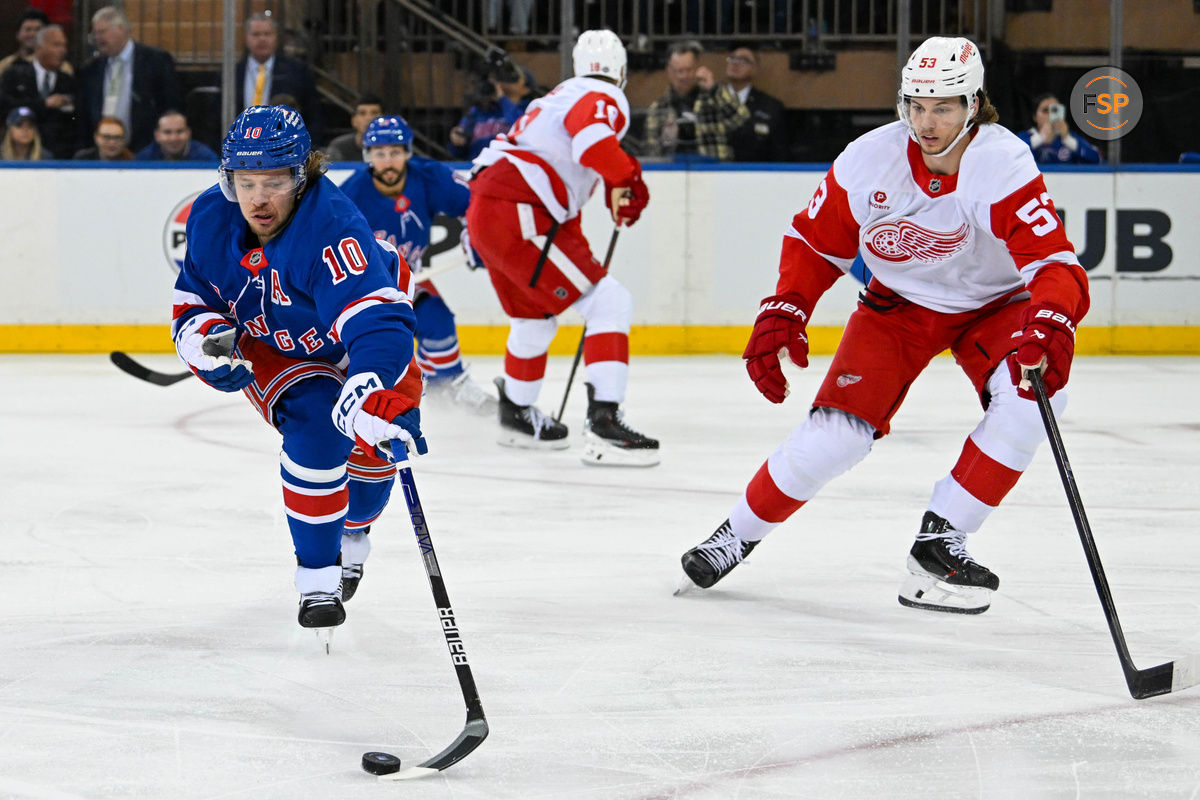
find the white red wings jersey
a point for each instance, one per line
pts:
(950, 243)
(546, 143)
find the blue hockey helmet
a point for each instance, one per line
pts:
(384, 131)
(265, 138)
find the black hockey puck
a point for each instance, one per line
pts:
(380, 763)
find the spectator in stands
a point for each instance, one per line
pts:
(499, 101)
(21, 141)
(128, 80)
(43, 86)
(1051, 139)
(764, 136)
(349, 146)
(111, 143)
(696, 114)
(173, 142)
(265, 72)
(28, 24)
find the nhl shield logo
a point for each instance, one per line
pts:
(256, 258)
(935, 185)
(174, 238)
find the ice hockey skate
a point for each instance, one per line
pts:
(714, 558)
(608, 441)
(462, 392)
(527, 427)
(942, 574)
(355, 549)
(321, 600)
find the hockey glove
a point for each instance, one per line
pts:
(778, 329)
(370, 415)
(1046, 342)
(627, 201)
(208, 352)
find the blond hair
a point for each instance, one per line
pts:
(8, 152)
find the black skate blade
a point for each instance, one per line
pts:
(904, 601)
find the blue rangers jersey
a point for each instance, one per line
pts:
(431, 188)
(323, 288)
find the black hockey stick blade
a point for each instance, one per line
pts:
(1162, 679)
(128, 365)
(476, 728)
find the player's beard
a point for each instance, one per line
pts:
(390, 176)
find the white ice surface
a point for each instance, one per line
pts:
(149, 648)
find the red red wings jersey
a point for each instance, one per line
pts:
(950, 243)
(546, 143)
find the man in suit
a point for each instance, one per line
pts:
(133, 82)
(42, 85)
(265, 73)
(764, 136)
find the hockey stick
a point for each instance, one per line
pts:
(125, 362)
(1143, 683)
(429, 273)
(476, 728)
(612, 244)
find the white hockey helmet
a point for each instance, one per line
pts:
(600, 53)
(943, 67)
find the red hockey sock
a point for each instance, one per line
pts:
(766, 500)
(984, 478)
(525, 369)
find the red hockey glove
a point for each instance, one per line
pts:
(627, 201)
(1047, 341)
(779, 328)
(372, 415)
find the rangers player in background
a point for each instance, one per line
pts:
(529, 187)
(968, 254)
(286, 295)
(400, 194)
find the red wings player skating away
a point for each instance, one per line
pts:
(529, 187)
(968, 254)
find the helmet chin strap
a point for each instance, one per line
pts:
(970, 122)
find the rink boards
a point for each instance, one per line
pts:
(91, 255)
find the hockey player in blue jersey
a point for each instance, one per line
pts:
(287, 296)
(400, 194)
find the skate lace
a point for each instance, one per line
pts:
(956, 544)
(536, 419)
(318, 599)
(352, 570)
(619, 424)
(723, 550)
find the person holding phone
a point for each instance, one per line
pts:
(1051, 139)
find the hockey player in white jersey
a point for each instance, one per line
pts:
(528, 188)
(968, 254)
